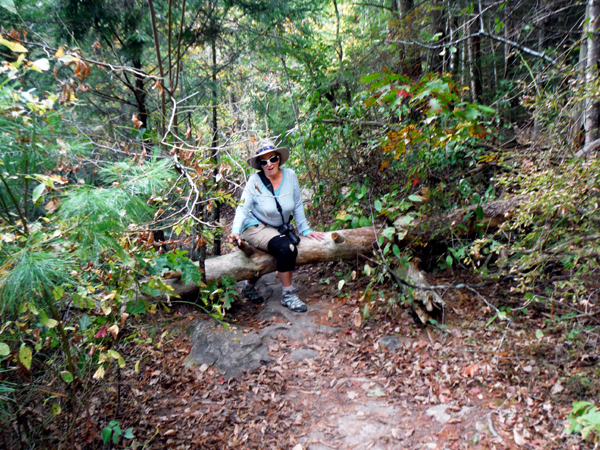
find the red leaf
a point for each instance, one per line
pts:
(102, 332)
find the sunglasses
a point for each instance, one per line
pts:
(273, 159)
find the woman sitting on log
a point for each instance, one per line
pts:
(269, 200)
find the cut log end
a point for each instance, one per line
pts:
(338, 238)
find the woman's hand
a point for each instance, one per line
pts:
(235, 238)
(318, 235)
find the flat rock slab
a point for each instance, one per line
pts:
(234, 351)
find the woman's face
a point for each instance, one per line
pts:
(271, 168)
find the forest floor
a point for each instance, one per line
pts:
(381, 382)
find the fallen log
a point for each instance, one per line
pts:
(463, 221)
(342, 245)
(347, 245)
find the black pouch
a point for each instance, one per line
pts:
(288, 230)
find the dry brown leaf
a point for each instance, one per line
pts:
(137, 123)
(158, 86)
(471, 370)
(114, 330)
(357, 319)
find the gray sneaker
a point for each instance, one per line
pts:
(292, 301)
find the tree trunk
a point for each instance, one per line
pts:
(474, 50)
(216, 207)
(593, 41)
(537, 123)
(437, 28)
(404, 6)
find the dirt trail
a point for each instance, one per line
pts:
(330, 379)
(338, 382)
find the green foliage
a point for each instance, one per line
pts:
(30, 275)
(113, 430)
(584, 418)
(437, 129)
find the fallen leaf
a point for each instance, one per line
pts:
(376, 392)
(357, 319)
(298, 447)
(557, 388)
(352, 395)
(409, 433)
(101, 332)
(471, 370)
(518, 438)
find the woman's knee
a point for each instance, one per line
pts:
(285, 252)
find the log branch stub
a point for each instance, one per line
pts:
(337, 238)
(248, 249)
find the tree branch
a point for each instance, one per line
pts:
(519, 47)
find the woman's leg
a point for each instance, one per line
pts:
(286, 278)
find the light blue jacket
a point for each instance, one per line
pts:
(258, 205)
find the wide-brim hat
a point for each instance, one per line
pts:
(267, 146)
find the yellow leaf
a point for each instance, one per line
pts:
(25, 356)
(59, 52)
(13, 46)
(385, 164)
(137, 366)
(99, 373)
(341, 215)
(113, 354)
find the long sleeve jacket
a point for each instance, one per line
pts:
(258, 205)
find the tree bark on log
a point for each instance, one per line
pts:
(463, 221)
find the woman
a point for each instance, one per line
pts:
(260, 215)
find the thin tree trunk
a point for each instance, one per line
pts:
(216, 209)
(537, 124)
(592, 106)
(578, 115)
(160, 65)
(435, 59)
(474, 52)
(463, 59)
(404, 6)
